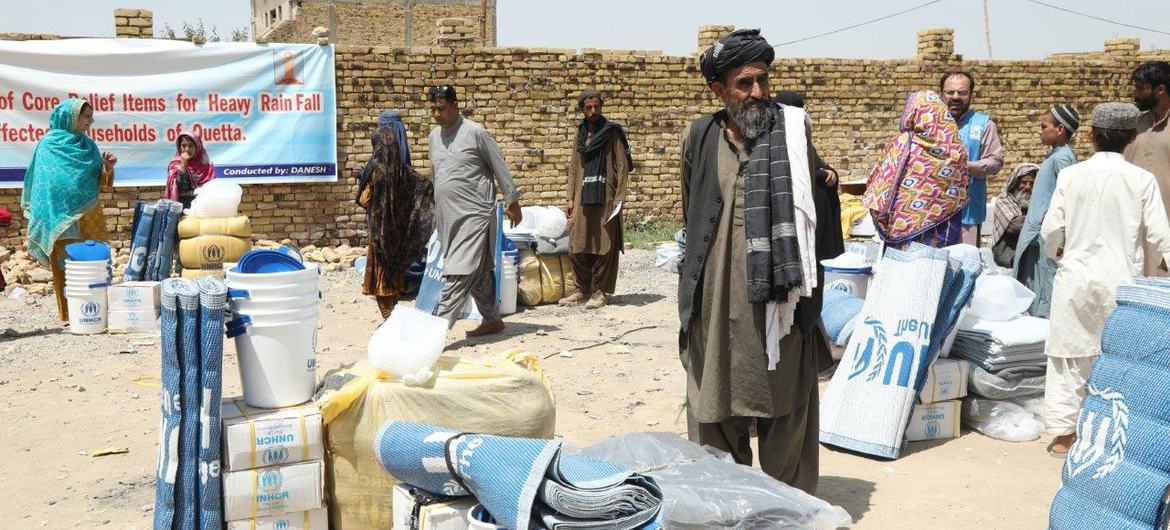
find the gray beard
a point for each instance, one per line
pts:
(1023, 199)
(752, 119)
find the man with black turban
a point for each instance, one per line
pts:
(748, 298)
(598, 176)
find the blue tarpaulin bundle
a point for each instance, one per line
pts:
(523, 482)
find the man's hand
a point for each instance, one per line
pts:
(831, 178)
(514, 214)
(569, 209)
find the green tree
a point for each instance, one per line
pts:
(198, 33)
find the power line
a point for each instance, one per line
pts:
(858, 25)
(1100, 19)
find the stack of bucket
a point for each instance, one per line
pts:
(274, 324)
(87, 276)
(509, 281)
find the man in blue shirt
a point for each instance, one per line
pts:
(984, 150)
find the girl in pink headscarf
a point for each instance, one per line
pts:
(188, 170)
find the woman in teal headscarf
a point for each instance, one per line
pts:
(60, 195)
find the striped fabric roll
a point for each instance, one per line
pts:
(188, 488)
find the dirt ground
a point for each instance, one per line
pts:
(64, 397)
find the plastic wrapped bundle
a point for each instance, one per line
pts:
(688, 474)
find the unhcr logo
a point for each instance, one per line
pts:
(276, 455)
(213, 254)
(90, 309)
(270, 481)
(281, 525)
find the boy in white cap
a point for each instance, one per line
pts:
(1106, 216)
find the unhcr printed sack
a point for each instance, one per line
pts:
(1117, 473)
(867, 404)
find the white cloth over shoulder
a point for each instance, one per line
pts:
(780, 316)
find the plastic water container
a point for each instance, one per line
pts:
(278, 360)
(218, 198)
(407, 344)
(509, 285)
(87, 310)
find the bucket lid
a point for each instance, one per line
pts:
(267, 261)
(88, 250)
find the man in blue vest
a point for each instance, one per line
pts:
(984, 150)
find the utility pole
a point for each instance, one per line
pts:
(483, 23)
(409, 21)
(333, 36)
(987, 27)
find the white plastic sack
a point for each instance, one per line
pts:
(408, 344)
(1002, 420)
(668, 256)
(550, 221)
(973, 253)
(999, 298)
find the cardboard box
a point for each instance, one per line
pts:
(134, 296)
(254, 438)
(945, 380)
(935, 421)
(264, 492)
(133, 321)
(437, 516)
(311, 520)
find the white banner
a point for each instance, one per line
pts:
(266, 112)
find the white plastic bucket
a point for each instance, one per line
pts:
(853, 281)
(238, 290)
(309, 274)
(87, 310)
(509, 285)
(408, 343)
(278, 316)
(86, 266)
(264, 304)
(278, 362)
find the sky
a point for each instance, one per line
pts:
(1019, 29)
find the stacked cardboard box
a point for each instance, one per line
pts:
(936, 416)
(275, 467)
(134, 307)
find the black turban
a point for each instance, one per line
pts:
(743, 46)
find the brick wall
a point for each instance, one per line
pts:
(527, 98)
(134, 23)
(377, 24)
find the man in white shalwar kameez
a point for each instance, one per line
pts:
(1105, 218)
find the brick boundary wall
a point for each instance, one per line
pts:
(526, 97)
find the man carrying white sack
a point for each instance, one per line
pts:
(1105, 217)
(748, 302)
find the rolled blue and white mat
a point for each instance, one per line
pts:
(524, 483)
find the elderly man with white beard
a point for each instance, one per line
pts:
(748, 298)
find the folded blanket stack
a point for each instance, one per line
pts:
(996, 346)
